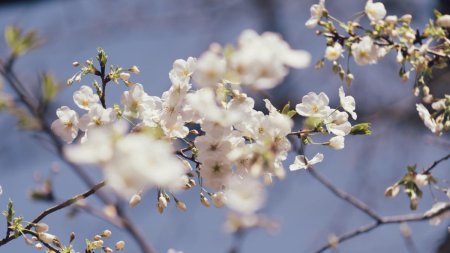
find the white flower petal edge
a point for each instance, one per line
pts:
(301, 162)
(348, 103)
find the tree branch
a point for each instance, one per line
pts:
(15, 83)
(435, 163)
(53, 209)
(384, 221)
(344, 196)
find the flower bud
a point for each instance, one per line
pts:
(39, 246)
(349, 79)
(443, 21)
(108, 250)
(134, 69)
(162, 204)
(405, 76)
(204, 200)
(337, 142)
(46, 237)
(421, 180)
(41, 227)
(218, 199)
(135, 200)
(428, 99)
(124, 76)
(406, 18)
(97, 237)
(399, 57)
(106, 233)
(181, 205)
(120, 245)
(391, 19)
(392, 191)
(75, 64)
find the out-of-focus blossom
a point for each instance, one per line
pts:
(375, 11)
(317, 11)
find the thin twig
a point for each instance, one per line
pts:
(345, 196)
(435, 163)
(384, 221)
(53, 209)
(14, 82)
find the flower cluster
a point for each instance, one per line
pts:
(416, 51)
(234, 148)
(323, 119)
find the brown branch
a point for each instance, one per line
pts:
(53, 209)
(344, 196)
(435, 163)
(384, 221)
(15, 83)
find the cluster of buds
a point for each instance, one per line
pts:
(412, 182)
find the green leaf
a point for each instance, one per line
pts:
(361, 129)
(49, 87)
(411, 168)
(9, 213)
(286, 108)
(291, 113)
(18, 42)
(102, 58)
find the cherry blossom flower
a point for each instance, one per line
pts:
(261, 61)
(97, 116)
(427, 119)
(375, 11)
(314, 105)
(210, 69)
(215, 172)
(182, 70)
(301, 162)
(337, 123)
(245, 196)
(85, 97)
(337, 142)
(347, 103)
(66, 126)
(334, 52)
(136, 101)
(131, 163)
(317, 11)
(365, 51)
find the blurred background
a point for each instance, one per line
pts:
(152, 34)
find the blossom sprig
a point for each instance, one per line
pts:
(148, 141)
(413, 181)
(416, 51)
(115, 74)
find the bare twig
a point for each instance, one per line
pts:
(345, 196)
(435, 163)
(53, 209)
(384, 221)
